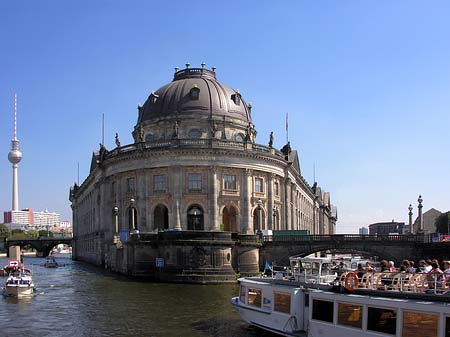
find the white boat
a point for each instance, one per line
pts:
(379, 305)
(19, 283)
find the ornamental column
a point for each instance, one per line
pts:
(213, 206)
(420, 206)
(246, 225)
(410, 214)
(270, 202)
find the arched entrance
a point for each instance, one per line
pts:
(161, 217)
(259, 219)
(229, 219)
(195, 218)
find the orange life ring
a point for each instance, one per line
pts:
(351, 281)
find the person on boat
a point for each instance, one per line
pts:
(411, 268)
(424, 267)
(384, 265)
(360, 271)
(434, 276)
(447, 272)
(369, 267)
(405, 266)
(392, 268)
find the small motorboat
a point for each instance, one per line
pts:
(50, 263)
(19, 283)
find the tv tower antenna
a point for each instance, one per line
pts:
(14, 157)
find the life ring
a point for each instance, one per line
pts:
(351, 281)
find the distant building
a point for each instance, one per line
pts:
(384, 228)
(363, 231)
(27, 219)
(429, 219)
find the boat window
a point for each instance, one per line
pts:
(282, 302)
(242, 294)
(254, 297)
(323, 310)
(419, 324)
(382, 320)
(350, 315)
(447, 327)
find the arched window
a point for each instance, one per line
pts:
(229, 219)
(195, 218)
(259, 219)
(161, 217)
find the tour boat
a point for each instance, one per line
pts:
(50, 263)
(19, 283)
(380, 304)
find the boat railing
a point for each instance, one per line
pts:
(400, 282)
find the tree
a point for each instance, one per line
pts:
(442, 223)
(3, 231)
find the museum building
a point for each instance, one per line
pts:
(193, 189)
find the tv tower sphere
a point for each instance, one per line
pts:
(15, 156)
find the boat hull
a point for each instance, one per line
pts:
(19, 291)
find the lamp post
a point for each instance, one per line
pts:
(259, 204)
(411, 229)
(133, 225)
(274, 214)
(116, 218)
(420, 206)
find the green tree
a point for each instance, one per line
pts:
(4, 232)
(18, 234)
(442, 223)
(45, 233)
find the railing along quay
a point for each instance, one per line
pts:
(343, 237)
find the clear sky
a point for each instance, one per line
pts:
(366, 85)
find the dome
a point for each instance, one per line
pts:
(195, 92)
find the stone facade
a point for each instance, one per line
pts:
(194, 166)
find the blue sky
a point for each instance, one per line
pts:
(366, 85)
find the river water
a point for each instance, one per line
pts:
(77, 299)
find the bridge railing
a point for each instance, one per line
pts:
(343, 237)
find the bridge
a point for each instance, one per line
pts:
(389, 247)
(43, 245)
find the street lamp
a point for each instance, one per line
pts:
(116, 218)
(411, 229)
(274, 214)
(259, 204)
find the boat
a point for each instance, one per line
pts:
(50, 263)
(378, 304)
(19, 283)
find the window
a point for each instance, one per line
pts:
(195, 182)
(382, 320)
(417, 324)
(159, 183)
(236, 98)
(239, 137)
(350, 315)
(276, 188)
(282, 302)
(242, 294)
(229, 182)
(194, 133)
(194, 92)
(323, 310)
(130, 185)
(259, 185)
(254, 297)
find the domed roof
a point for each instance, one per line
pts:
(195, 91)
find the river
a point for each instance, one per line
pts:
(77, 299)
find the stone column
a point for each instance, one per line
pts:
(246, 226)
(213, 195)
(270, 202)
(177, 216)
(420, 206)
(287, 204)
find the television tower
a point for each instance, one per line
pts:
(15, 156)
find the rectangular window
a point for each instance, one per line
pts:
(195, 182)
(254, 297)
(276, 188)
(130, 185)
(382, 320)
(159, 183)
(421, 324)
(323, 310)
(282, 302)
(350, 315)
(229, 182)
(242, 294)
(113, 189)
(259, 185)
